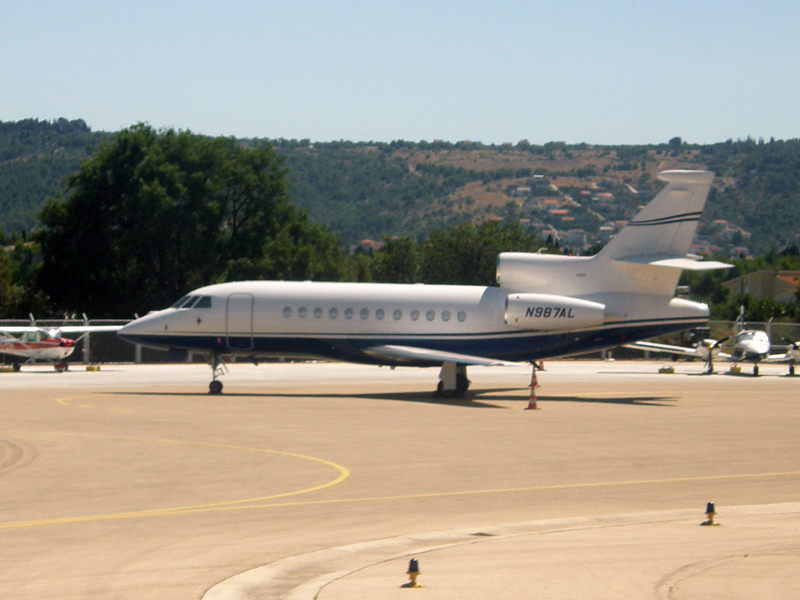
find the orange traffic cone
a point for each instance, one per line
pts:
(534, 385)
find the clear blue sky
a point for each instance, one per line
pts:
(581, 71)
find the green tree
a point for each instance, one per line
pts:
(468, 255)
(154, 214)
(397, 261)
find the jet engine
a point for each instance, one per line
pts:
(549, 312)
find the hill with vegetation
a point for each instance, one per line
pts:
(157, 213)
(35, 158)
(579, 194)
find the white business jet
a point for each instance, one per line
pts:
(545, 305)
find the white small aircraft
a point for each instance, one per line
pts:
(749, 345)
(544, 306)
(44, 344)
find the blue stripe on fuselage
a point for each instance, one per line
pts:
(511, 346)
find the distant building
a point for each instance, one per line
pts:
(371, 245)
(576, 238)
(781, 286)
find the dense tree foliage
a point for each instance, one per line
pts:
(463, 255)
(155, 214)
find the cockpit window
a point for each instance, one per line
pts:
(193, 302)
(203, 302)
(179, 302)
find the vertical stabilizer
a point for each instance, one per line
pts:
(666, 226)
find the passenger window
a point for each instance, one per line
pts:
(430, 315)
(333, 313)
(462, 316)
(287, 311)
(379, 314)
(318, 313)
(364, 313)
(445, 315)
(414, 315)
(348, 313)
(397, 314)
(302, 311)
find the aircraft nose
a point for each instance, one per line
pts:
(136, 332)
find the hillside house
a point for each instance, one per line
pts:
(781, 286)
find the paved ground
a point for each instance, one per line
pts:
(301, 479)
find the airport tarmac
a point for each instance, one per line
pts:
(323, 480)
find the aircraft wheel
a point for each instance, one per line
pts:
(17, 367)
(462, 384)
(443, 393)
(215, 387)
(755, 371)
(791, 370)
(60, 367)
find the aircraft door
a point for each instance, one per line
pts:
(239, 321)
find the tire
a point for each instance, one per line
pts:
(215, 387)
(462, 385)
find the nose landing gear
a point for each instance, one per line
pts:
(218, 369)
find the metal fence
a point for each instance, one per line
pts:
(106, 347)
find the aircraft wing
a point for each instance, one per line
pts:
(435, 356)
(679, 350)
(682, 350)
(66, 329)
(89, 328)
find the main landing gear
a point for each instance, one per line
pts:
(218, 369)
(453, 380)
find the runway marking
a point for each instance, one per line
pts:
(344, 473)
(542, 488)
(68, 401)
(247, 504)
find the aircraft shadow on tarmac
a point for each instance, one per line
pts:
(473, 399)
(630, 401)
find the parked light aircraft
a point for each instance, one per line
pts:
(45, 344)
(544, 306)
(749, 345)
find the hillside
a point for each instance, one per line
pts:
(35, 157)
(579, 193)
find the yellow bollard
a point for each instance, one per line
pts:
(710, 513)
(413, 573)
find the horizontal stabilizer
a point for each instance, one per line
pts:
(412, 353)
(689, 262)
